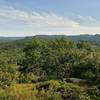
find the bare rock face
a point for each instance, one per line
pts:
(75, 80)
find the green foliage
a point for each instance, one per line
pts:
(58, 59)
(8, 74)
(28, 78)
(94, 93)
(89, 75)
(48, 64)
(48, 90)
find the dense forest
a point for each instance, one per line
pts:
(42, 68)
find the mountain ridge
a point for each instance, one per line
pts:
(85, 37)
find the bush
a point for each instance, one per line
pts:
(28, 78)
(89, 75)
(94, 93)
(62, 90)
(6, 79)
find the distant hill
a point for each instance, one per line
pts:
(91, 38)
(6, 39)
(13, 42)
(51, 37)
(74, 37)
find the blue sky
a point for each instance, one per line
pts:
(31, 17)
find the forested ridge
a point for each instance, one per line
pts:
(95, 39)
(49, 69)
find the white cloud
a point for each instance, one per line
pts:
(47, 19)
(87, 18)
(30, 23)
(89, 30)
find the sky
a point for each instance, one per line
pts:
(49, 17)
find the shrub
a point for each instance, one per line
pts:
(89, 75)
(6, 79)
(28, 78)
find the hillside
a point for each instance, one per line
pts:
(75, 37)
(90, 38)
(54, 68)
(7, 39)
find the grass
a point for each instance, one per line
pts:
(35, 92)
